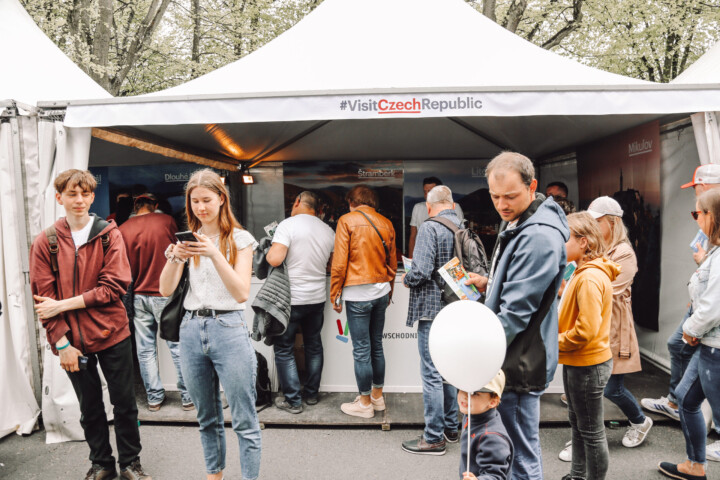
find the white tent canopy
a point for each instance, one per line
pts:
(705, 69)
(40, 70)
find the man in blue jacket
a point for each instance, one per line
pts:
(527, 266)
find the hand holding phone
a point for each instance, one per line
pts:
(186, 236)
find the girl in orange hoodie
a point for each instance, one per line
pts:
(584, 344)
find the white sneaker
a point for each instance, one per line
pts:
(637, 432)
(378, 403)
(357, 409)
(565, 454)
(712, 451)
(660, 405)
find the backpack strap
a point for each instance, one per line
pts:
(51, 235)
(454, 229)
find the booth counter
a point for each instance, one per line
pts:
(402, 360)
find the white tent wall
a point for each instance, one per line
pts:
(18, 330)
(707, 136)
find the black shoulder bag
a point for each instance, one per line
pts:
(173, 312)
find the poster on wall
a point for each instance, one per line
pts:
(119, 184)
(332, 181)
(626, 167)
(466, 179)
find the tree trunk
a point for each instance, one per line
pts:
(489, 9)
(195, 51)
(515, 14)
(101, 43)
(569, 27)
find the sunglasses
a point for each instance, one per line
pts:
(696, 213)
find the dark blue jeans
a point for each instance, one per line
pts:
(584, 388)
(616, 392)
(520, 413)
(310, 319)
(366, 321)
(440, 406)
(699, 382)
(680, 355)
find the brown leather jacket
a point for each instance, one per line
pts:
(359, 257)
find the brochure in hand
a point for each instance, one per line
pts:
(407, 263)
(455, 275)
(700, 238)
(270, 229)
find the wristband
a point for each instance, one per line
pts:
(63, 347)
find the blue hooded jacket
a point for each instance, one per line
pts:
(528, 265)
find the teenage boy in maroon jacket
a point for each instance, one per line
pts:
(80, 308)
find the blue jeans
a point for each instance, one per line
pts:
(617, 392)
(584, 388)
(680, 355)
(520, 413)
(147, 318)
(699, 382)
(439, 398)
(216, 350)
(310, 319)
(366, 321)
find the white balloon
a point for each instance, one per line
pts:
(467, 344)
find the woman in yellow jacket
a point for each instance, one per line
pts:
(584, 344)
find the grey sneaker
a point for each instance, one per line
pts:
(134, 471)
(284, 405)
(565, 454)
(637, 432)
(98, 472)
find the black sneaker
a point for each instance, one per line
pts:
(283, 405)
(311, 400)
(134, 471)
(451, 436)
(98, 472)
(419, 446)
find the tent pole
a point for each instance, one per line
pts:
(23, 235)
(261, 158)
(477, 132)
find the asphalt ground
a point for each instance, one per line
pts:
(174, 452)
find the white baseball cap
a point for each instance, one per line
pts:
(705, 174)
(602, 206)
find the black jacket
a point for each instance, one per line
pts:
(491, 450)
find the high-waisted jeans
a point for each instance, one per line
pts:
(366, 321)
(215, 350)
(584, 388)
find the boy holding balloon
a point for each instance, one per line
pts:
(491, 450)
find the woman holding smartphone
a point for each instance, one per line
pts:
(703, 328)
(215, 345)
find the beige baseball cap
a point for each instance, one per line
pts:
(705, 174)
(496, 385)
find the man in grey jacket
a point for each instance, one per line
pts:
(527, 266)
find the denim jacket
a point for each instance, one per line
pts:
(704, 288)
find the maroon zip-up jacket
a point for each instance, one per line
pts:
(100, 277)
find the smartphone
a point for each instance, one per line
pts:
(186, 236)
(82, 362)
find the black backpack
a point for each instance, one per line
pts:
(468, 249)
(262, 383)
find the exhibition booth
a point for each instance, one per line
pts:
(384, 93)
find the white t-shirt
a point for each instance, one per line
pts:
(310, 241)
(365, 293)
(81, 237)
(420, 214)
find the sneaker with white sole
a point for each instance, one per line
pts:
(637, 432)
(357, 409)
(565, 454)
(712, 451)
(378, 403)
(660, 405)
(563, 399)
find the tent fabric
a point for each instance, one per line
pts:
(38, 65)
(705, 69)
(707, 136)
(20, 407)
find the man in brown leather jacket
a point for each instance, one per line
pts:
(363, 272)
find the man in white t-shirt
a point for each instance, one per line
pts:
(305, 243)
(420, 212)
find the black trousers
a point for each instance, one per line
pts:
(117, 366)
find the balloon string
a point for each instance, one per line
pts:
(468, 431)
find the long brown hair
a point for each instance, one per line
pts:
(709, 203)
(206, 178)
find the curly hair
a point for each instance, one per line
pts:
(582, 224)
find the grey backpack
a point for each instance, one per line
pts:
(468, 249)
